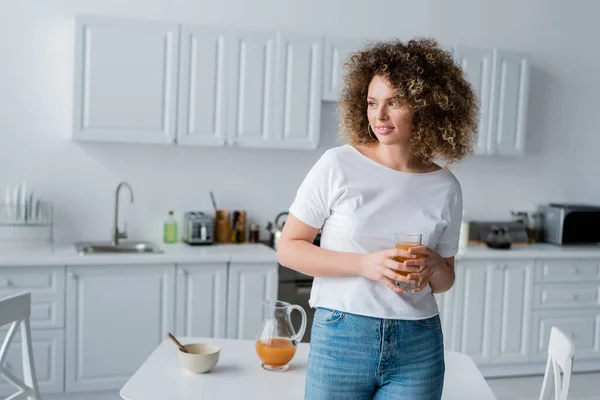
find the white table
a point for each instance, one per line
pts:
(239, 375)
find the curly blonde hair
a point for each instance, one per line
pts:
(443, 104)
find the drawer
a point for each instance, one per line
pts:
(47, 288)
(563, 296)
(566, 270)
(583, 327)
(48, 357)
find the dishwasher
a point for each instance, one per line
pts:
(294, 288)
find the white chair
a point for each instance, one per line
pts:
(15, 310)
(560, 357)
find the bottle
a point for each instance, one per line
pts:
(170, 229)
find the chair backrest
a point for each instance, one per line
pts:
(560, 358)
(16, 310)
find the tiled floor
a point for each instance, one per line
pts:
(583, 387)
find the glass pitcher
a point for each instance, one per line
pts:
(276, 342)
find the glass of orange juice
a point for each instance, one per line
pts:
(405, 241)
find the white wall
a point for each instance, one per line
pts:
(35, 109)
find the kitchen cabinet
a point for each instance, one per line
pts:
(252, 88)
(125, 80)
(201, 301)
(474, 309)
(116, 316)
(47, 288)
(203, 85)
(500, 78)
(494, 311)
(512, 295)
(297, 106)
(337, 50)
(477, 66)
(49, 354)
(250, 284)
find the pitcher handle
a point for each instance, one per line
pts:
(298, 337)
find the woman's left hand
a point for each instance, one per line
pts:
(430, 261)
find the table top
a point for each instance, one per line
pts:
(238, 374)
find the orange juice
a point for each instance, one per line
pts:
(406, 246)
(275, 352)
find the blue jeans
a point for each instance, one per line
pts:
(356, 357)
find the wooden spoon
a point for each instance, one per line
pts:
(181, 347)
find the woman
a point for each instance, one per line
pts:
(404, 105)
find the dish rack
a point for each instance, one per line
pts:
(27, 223)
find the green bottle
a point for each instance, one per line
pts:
(170, 229)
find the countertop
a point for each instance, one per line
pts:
(65, 254)
(541, 250)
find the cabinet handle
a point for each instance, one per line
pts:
(182, 272)
(574, 296)
(5, 283)
(572, 335)
(574, 270)
(501, 267)
(71, 275)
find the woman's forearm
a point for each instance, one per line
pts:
(443, 278)
(312, 260)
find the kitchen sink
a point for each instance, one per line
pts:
(84, 248)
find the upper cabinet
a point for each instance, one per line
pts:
(203, 92)
(193, 85)
(337, 51)
(125, 84)
(501, 81)
(508, 102)
(252, 88)
(297, 106)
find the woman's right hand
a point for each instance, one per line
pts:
(382, 267)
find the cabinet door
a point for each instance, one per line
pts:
(47, 287)
(252, 90)
(48, 358)
(582, 326)
(205, 64)
(475, 307)
(513, 301)
(477, 65)
(337, 51)
(508, 107)
(201, 300)
(116, 316)
(297, 107)
(249, 286)
(125, 80)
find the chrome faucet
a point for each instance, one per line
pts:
(116, 235)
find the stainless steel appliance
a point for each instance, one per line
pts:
(570, 224)
(198, 227)
(294, 287)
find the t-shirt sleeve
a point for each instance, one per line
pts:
(447, 245)
(314, 197)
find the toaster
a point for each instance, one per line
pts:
(198, 227)
(570, 224)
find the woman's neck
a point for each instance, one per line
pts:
(398, 157)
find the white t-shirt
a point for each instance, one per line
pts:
(360, 204)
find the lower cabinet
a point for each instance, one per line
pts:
(201, 304)
(116, 316)
(250, 285)
(49, 356)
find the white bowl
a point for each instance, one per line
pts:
(200, 358)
